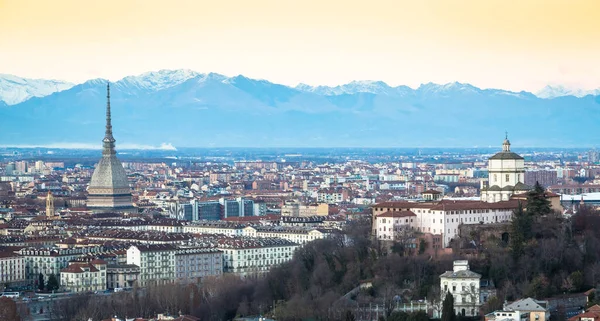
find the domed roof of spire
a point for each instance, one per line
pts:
(506, 153)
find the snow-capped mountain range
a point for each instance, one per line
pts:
(184, 108)
(562, 91)
(14, 90)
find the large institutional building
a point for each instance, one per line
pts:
(506, 176)
(441, 218)
(109, 189)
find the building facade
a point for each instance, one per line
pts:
(84, 277)
(441, 219)
(12, 269)
(156, 262)
(253, 257)
(50, 260)
(121, 276)
(194, 264)
(463, 284)
(506, 176)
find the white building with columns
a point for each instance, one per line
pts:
(506, 176)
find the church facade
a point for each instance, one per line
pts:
(506, 176)
(109, 188)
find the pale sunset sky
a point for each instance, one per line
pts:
(511, 44)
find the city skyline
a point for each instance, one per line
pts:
(489, 44)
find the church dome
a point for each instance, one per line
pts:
(506, 154)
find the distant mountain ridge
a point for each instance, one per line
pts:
(185, 108)
(14, 90)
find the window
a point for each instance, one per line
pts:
(507, 177)
(495, 177)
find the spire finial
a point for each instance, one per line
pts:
(108, 141)
(506, 143)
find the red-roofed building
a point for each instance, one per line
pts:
(442, 218)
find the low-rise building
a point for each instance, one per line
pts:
(536, 310)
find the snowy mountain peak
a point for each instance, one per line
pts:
(353, 87)
(554, 91)
(14, 90)
(157, 80)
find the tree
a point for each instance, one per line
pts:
(537, 203)
(41, 282)
(448, 308)
(422, 246)
(52, 282)
(493, 303)
(349, 316)
(520, 231)
(8, 309)
(418, 316)
(398, 316)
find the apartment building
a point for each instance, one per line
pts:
(84, 276)
(249, 257)
(214, 227)
(121, 276)
(50, 260)
(296, 235)
(156, 262)
(192, 264)
(12, 268)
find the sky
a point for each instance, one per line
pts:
(510, 44)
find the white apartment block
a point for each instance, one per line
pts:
(12, 268)
(194, 264)
(156, 262)
(463, 284)
(442, 218)
(214, 227)
(252, 257)
(50, 261)
(297, 235)
(83, 277)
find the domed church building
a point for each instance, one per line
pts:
(506, 176)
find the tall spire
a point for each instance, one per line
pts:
(108, 146)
